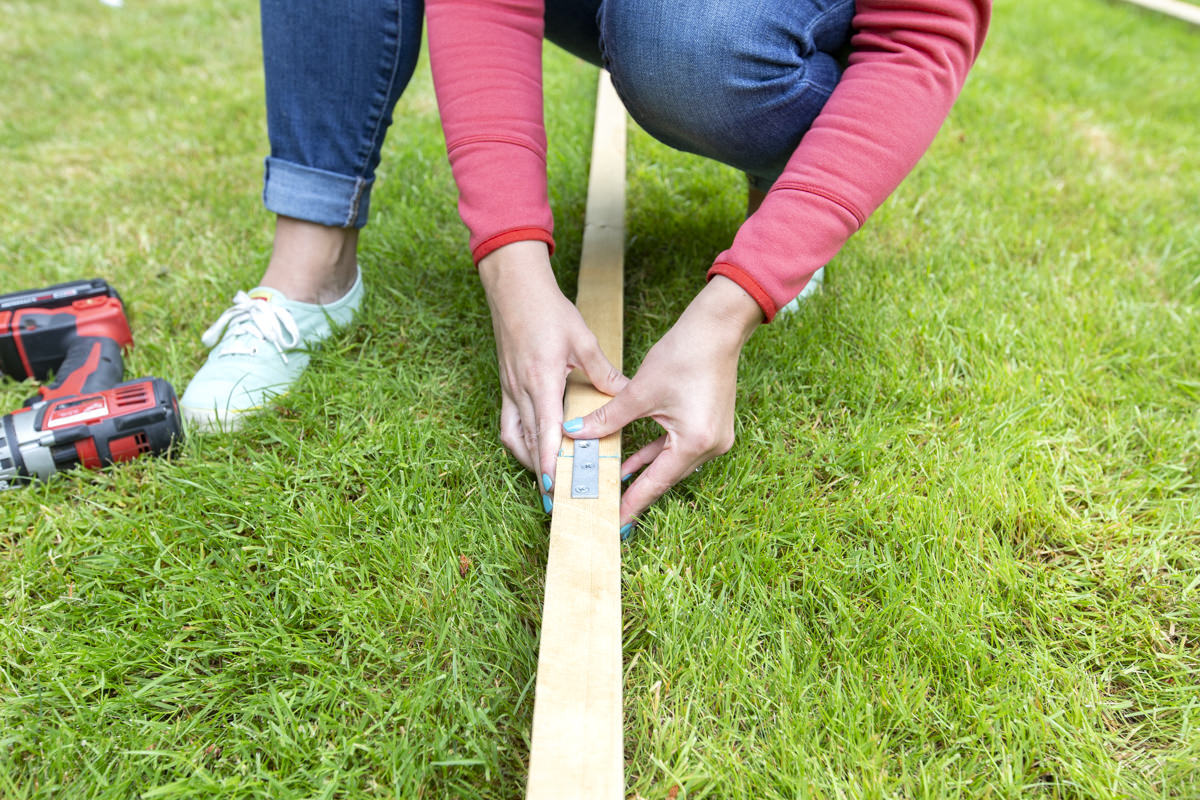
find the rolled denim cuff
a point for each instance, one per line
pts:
(315, 195)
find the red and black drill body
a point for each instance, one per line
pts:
(76, 331)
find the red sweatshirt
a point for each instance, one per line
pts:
(909, 61)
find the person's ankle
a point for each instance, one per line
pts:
(312, 263)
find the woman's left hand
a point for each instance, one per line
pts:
(688, 385)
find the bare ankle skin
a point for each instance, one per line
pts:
(312, 263)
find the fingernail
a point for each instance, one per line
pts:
(547, 503)
(546, 482)
(573, 425)
(626, 477)
(626, 530)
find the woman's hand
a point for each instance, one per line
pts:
(687, 384)
(540, 338)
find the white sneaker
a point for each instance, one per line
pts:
(260, 345)
(813, 286)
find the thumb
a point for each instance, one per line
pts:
(600, 371)
(608, 418)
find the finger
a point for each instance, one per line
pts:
(528, 428)
(512, 431)
(643, 457)
(608, 418)
(521, 437)
(511, 434)
(530, 437)
(667, 469)
(600, 371)
(548, 406)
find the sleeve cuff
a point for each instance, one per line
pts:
(751, 287)
(508, 237)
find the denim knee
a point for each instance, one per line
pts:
(736, 82)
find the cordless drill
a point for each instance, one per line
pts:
(86, 416)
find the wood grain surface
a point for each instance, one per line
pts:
(577, 748)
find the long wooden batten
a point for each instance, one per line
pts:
(577, 748)
(1172, 8)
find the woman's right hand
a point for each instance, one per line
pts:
(540, 338)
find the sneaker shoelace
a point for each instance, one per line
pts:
(247, 323)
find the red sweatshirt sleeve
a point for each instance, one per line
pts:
(908, 63)
(486, 57)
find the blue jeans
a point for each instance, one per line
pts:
(738, 82)
(334, 71)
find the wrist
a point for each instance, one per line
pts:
(516, 261)
(730, 308)
(518, 277)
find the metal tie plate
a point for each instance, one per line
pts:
(585, 471)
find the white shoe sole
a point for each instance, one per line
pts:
(207, 420)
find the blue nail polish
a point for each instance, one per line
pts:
(546, 482)
(547, 503)
(573, 425)
(626, 477)
(626, 529)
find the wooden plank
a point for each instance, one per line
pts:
(1173, 8)
(577, 748)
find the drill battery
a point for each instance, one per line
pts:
(76, 330)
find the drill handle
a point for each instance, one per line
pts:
(92, 364)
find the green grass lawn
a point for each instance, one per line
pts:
(955, 552)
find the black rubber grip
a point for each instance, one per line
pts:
(107, 372)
